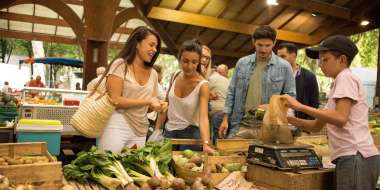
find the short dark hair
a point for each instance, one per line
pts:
(290, 47)
(265, 32)
(6, 83)
(191, 46)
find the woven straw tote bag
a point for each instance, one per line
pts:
(93, 113)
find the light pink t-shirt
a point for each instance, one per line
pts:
(355, 135)
(136, 117)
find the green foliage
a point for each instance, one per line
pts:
(169, 65)
(9, 46)
(367, 43)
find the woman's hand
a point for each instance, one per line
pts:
(164, 106)
(155, 105)
(207, 149)
(291, 102)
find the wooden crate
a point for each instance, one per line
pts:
(189, 176)
(42, 175)
(281, 180)
(234, 145)
(376, 139)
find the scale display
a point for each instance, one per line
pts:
(284, 157)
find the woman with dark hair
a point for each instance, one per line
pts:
(187, 115)
(132, 85)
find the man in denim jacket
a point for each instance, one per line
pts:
(256, 78)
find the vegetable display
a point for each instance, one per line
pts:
(144, 168)
(195, 162)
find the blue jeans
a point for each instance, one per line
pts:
(216, 120)
(190, 132)
(356, 172)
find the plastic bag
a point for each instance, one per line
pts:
(275, 123)
(156, 136)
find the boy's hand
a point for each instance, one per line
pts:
(291, 102)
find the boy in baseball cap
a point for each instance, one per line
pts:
(351, 145)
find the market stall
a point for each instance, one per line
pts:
(51, 104)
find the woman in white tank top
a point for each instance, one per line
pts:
(187, 115)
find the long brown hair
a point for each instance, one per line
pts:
(128, 53)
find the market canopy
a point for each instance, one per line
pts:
(224, 25)
(55, 61)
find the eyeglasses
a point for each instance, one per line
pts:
(208, 58)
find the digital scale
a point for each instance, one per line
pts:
(284, 156)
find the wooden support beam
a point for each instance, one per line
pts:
(220, 24)
(345, 27)
(78, 2)
(317, 6)
(6, 3)
(48, 38)
(47, 21)
(62, 10)
(38, 36)
(156, 26)
(124, 16)
(33, 19)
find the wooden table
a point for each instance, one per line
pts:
(84, 186)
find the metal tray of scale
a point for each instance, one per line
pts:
(284, 156)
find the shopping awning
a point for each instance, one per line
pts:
(55, 61)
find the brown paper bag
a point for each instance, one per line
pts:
(275, 124)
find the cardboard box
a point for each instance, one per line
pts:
(281, 180)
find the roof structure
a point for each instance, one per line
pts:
(37, 22)
(225, 26)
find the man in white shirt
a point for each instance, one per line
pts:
(218, 84)
(99, 72)
(6, 89)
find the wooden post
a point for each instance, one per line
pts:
(96, 56)
(377, 94)
(99, 17)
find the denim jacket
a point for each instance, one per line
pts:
(277, 79)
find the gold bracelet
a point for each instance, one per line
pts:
(205, 142)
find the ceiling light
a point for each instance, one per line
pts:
(364, 22)
(314, 14)
(272, 2)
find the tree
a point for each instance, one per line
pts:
(169, 64)
(6, 48)
(367, 43)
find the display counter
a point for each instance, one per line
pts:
(51, 104)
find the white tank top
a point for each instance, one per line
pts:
(183, 112)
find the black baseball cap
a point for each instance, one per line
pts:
(338, 43)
